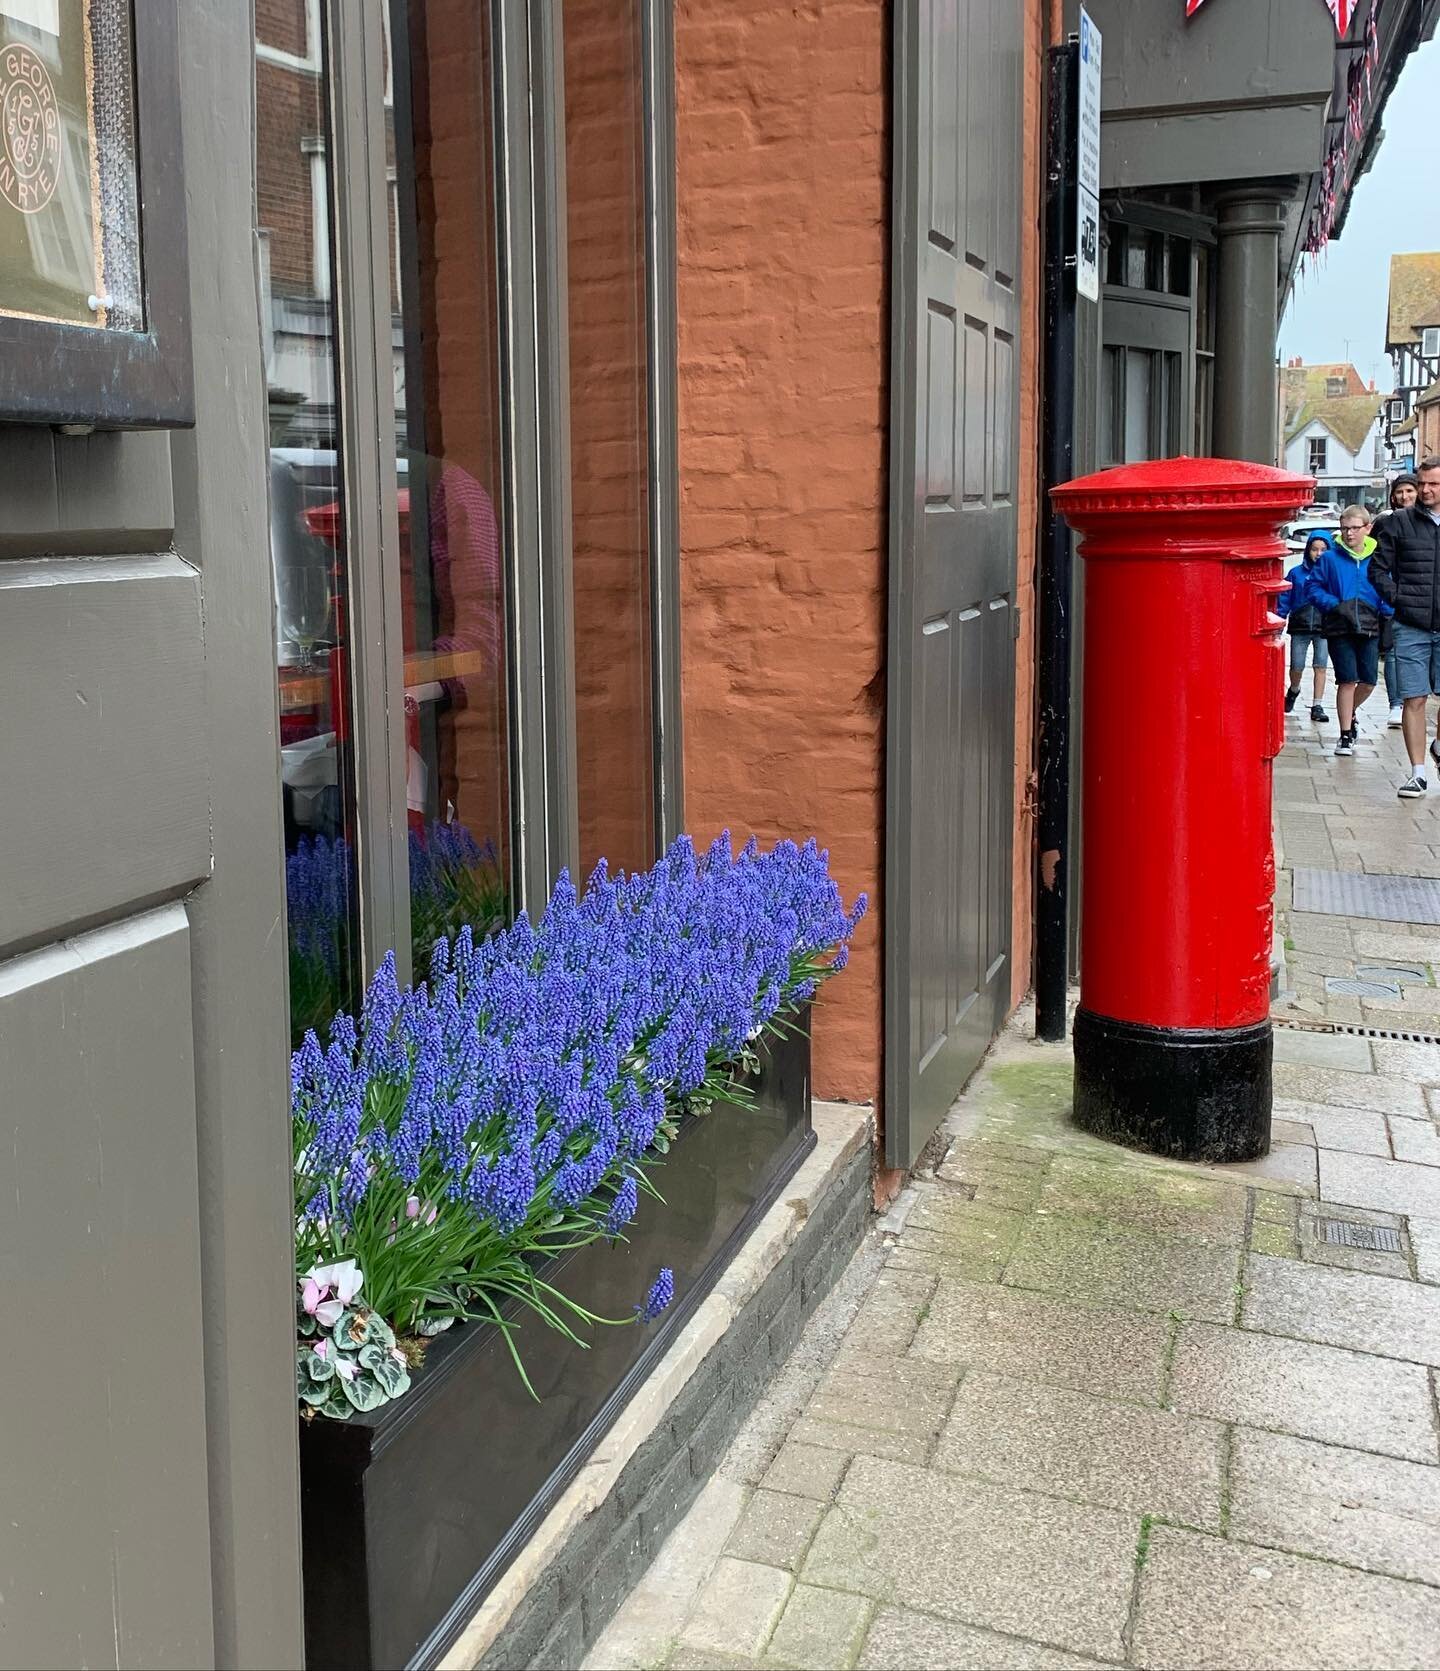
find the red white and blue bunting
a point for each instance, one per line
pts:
(1341, 10)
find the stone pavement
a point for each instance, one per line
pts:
(1074, 1406)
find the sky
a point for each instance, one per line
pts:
(1337, 311)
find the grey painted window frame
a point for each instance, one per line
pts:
(76, 376)
(527, 99)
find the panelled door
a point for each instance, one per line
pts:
(954, 401)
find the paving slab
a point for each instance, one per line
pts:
(775, 1529)
(819, 1630)
(1074, 1444)
(1296, 1386)
(1366, 1511)
(1361, 1131)
(1212, 1606)
(1395, 1319)
(1383, 1093)
(1173, 1200)
(917, 1642)
(913, 1401)
(1323, 1050)
(979, 1553)
(1287, 1166)
(806, 1471)
(1417, 1062)
(1039, 1338)
(1425, 1239)
(1415, 1140)
(1367, 1181)
(738, 1608)
(1113, 1264)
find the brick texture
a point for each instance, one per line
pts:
(783, 197)
(783, 193)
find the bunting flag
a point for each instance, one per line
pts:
(1341, 10)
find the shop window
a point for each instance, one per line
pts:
(1318, 461)
(307, 538)
(605, 125)
(448, 465)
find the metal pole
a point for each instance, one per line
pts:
(1054, 579)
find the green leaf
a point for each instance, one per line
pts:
(364, 1392)
(393, 1376)
(318, 1368)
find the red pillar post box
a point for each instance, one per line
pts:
(1183, 683)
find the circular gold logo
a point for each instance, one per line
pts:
(29, 131)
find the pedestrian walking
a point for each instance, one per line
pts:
(1353, 611)
(1406, 574)
(1304, 620)
(1404, 490)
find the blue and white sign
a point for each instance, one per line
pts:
(1087, 227)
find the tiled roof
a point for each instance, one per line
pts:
(1304, 384)
(1348, 418)
(1414, 297)
(1431, 397)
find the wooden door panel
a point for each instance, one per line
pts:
(953, 535)
(110, 1563)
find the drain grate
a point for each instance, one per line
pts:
(1392, 974)
(1351, 893)
(1391, 1035)
(1349, 986)
(1373, 1238)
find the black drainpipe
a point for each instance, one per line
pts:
(1054, 594)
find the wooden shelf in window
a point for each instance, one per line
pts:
(300, 690)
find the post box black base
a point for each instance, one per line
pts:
(1194, 1094)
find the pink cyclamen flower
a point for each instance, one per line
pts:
(326, 1312)
(344, 1277)
(322, 1349)
(345, 1369)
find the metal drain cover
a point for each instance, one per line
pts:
(1347, 986)
(1392, 974)
(1374, 1238)
(1350, 893)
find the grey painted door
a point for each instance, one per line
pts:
(954, 403)
(147, 1444)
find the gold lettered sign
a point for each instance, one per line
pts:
(69, 237)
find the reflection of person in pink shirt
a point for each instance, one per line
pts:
(466, 616)
(465, 566)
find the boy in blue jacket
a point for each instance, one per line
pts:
(1303, 618)
(1353, 611)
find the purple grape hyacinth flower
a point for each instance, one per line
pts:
(662, 1292)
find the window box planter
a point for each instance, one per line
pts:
(411, 1512)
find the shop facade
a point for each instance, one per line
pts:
(588, 424)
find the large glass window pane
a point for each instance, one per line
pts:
(609, 438)
(307, 524)
(448, 455)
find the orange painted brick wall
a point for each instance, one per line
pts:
(783, 198)
(784, 202)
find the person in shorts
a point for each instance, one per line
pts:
(1353, 611)
(1406, 573)
(1303, 621)
(1404, 491)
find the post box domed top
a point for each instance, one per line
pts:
(1179, 487)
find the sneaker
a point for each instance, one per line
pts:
(1413, 788)
(1291, 697)
(1318, 714)
(1395, 714)
(1435, 751)
(1346, 744)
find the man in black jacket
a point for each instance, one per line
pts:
(1405, 571)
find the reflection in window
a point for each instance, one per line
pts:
(609, 433)
(307, 544)
(447, 427)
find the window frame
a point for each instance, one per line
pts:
(1322, 442)
(528, 141)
